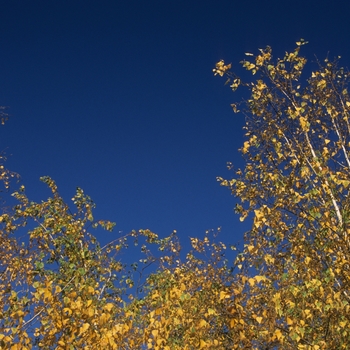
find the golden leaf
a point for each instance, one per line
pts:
(202, 344)
(211, 311)
(304, 124)
(84, 328)
(108, 307)
(251, 281)
(260, 278)
(289, 321)
(224, 295)
(278, 334)
(259, 319)
(202, 323)
(250, 248)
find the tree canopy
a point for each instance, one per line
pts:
(295, 185)
(288, 287)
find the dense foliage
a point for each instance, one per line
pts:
(289, 288)
(296, 185)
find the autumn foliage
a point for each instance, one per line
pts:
(295, 187)
(289, 286)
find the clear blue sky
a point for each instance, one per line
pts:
(118, 98)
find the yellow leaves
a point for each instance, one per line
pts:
(289, 321)
(257, 91)
(53, 281)
(249, 65)
(246, 147)
(211, 311)
(301, 42)
(202, 344)
(325, 152)
(305, 125)
(108, 307)
(202, 323)
(304, 171)
(290, 304)
(103, 318)
(261, 216)
(18, 347)
(233, 322)
(251, 281)
(259, 319)
(250, 248)
(300, 265)
(344, 183)
(176, 293)
(90, 310)
(260, 278)
(155, 295)
(277, 301)
(278, 334)
(234, 86)
(45, 294)
(84, 328)
(234, 108)
(67, 311)
(269, 259)
(322, 84)
(78, 304)
(307, 314)
(343, 324)
(260, 59)
(307, 260)
(256, 279)
(194, 242)
(242, 335)
(236, 291)
(158, 311)
(17, 314)
(224, 295)
(61, 343)
(122, 328)
(221, 68)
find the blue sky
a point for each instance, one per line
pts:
(118, 98)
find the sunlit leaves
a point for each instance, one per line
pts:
(221, 68)
(295, 185)
(59, 286)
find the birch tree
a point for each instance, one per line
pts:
(295, 189)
